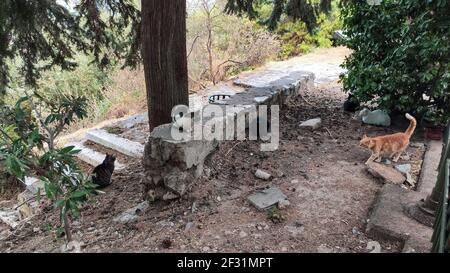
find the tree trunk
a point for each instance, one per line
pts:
(67, 228)
(165, 58)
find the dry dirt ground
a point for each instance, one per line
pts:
(321, 172)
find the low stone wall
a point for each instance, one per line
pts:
(171, 165)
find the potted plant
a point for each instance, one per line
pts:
(434, 123)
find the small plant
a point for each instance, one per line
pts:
(29, 129)
(65, 185)
(274, 214)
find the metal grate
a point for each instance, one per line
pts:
(215, 99)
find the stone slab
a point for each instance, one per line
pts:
(388, 219)
(133, 120)
(92, 157)
(428, 175)
(386, 173)
(122, 145)
(267, 198)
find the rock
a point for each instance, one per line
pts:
(189, 226)
(29, 206)
(295, 181)
(206, 249)
(263, 175)
(131, 214)
(355, 231)
(324, 249)
(386, 173)
(405, 157)
(405, 168)
(10, 217)
(417, 145)
(279, 174)
(170, 196)
(34, 185)
(267, 198)
(4, 234)
(312, 124)
(374, 247)
(72, 247)
(377, 117)
(177, 182)
(283, 204)
(242, 234)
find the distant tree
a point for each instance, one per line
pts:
(304, 10)
(44, 34)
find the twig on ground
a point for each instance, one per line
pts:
(229, 151)
(305, 100)
(329, 133)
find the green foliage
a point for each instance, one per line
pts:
(303, 10)
(296, 39)
(86, 80)
(45, 34)
(401, 58)
(64, 183)
(21, 152)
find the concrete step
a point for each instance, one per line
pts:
(92, 157)
(388, 219)
(122, 145)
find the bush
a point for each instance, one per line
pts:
(24, 129)
(401, 56)
(296, 39)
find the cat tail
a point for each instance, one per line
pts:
(412, 125)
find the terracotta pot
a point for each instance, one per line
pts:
(434, 133)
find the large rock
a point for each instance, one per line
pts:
(377, 117)
(386, 173)
(312, 124)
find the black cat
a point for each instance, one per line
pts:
(102, 174)
(351, 105)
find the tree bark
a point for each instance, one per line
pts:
(165, 58)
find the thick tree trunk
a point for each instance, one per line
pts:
(165, 57)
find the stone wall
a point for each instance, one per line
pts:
(171, 166)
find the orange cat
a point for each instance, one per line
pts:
(393, 145)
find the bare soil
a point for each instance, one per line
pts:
(322, 172)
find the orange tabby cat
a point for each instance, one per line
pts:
(393, 145)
